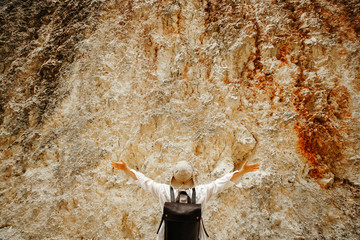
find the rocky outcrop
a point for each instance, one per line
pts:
(84, 83)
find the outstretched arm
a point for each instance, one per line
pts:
(158, 190)
(123, 166)
(244, 169)
(208, 190)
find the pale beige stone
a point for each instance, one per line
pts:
(155, 82)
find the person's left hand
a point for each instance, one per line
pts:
(119, 165)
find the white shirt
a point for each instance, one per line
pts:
(203, 193)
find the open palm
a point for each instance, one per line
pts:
(249, 168)
(119, 165)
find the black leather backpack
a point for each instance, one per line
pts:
(182, 220)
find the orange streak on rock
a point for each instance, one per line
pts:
(321, 132)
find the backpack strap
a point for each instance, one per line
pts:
(193, 198)
(202, 221)
(172, 195)
(162, 219)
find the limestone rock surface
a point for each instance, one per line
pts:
(87, 82)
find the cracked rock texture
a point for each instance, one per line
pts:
(85, 82)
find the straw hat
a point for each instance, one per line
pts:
(183, 176)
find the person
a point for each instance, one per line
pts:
(183, 180)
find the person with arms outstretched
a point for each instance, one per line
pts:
(183, 186)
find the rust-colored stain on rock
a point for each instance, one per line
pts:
(321, 130)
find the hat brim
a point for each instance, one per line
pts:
(179, 185)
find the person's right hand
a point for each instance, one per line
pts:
(119, 165)
(249, 168)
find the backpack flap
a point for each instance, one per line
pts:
(182, 212)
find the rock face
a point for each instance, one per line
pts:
(85, 82)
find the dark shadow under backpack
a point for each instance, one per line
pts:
(182, 220)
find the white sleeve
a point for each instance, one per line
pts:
(158, 190)
(206, 191)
